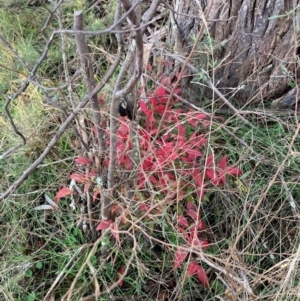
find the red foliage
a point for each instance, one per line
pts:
(120, 274)
(173, 149)
(80, 178)
(65, 191)
(195, 269)
(179, 258)
(113, 226)
(105, 224)
(173, 161)
(84, 161)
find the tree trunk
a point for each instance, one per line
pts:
(258, 44)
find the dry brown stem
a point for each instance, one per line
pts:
(87, 66)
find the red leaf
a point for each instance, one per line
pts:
(181, 130)
(144, 207)
(193, 122)
(63, 193)
(210, 160)
(104, 224)
(143, 107)
(191, 207)
(200, 225)
(91, 174)
(200, 116)
(95, 194)
(179, 258)
(120, 274)
(198, 178)
(78, 178)
(212, 176)
(197, 140)
(153, 101)
(193, 214)
(210, 173)
(84, 161)
(202, 276)
(223, 162)
(233, 171)
(204, 244)
(222, 178)
(195, 241)
(182, 221)
(187, 237)
(160, 91)
(194, 268)
(193, 154)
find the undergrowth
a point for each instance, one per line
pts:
(213, 209)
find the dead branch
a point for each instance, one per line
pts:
(87, 66)
(135, 53)
(68, 80)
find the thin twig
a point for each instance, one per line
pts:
(50, 17)
(138, 52)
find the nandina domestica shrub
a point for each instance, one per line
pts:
(174, 164)
(172, 145)
(174, 160)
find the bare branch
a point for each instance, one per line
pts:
(136, 52)
(134, 56)
(106, 196)
(87, 66)
(50, 17)
(68, 81)
(149, 14)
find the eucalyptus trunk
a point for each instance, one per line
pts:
(256, 44)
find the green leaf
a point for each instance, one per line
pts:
(29, 273)
(31, 297)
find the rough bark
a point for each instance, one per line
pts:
(259, 53)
